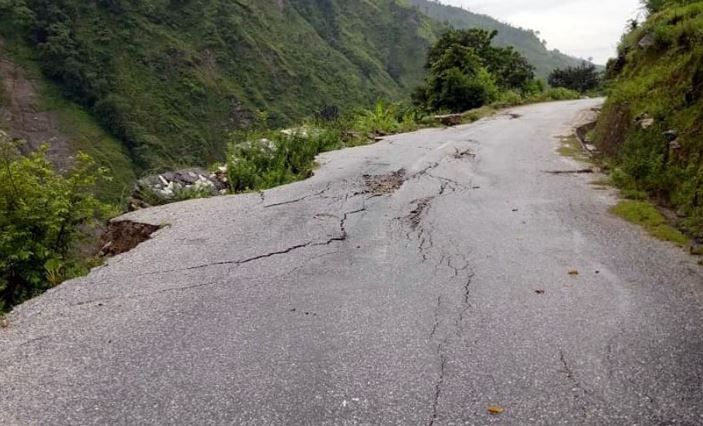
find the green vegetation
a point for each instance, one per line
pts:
(81, 130)
(525, 42)
(465, 71)
(261, 158)
(583, 78)
(171, 79)
(43, 216)
(643, 213)
(650, 131)
(571, 147)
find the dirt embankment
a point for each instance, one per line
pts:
(23, 115)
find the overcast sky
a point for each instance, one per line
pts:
(583, 28)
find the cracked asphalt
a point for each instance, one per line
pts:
(420, 280)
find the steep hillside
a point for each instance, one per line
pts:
(33, 109)
(652, 125)
(525, 41)
(170, 78)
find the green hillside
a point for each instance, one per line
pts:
(651, 129)
(524, 41)
(170, 77)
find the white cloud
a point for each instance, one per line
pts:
(584, 28)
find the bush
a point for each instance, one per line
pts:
(264, 159)
(467, 72)
(582, 79)
(43, 215)
(381, 120)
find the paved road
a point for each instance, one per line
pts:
(397, 286)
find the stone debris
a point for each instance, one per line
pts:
(173, 186)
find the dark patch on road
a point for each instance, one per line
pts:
(123, 236)
(415, 216)
(384, 184)
(569, 172)
(460, 155)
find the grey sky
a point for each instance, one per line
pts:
(583, 28)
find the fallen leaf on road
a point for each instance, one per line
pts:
(495, 410)
(573, 272)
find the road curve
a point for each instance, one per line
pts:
(420, 280)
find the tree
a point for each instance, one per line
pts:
(42, 217)
(465, 71)
(582, 78)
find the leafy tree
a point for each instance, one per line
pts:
(583, 78)
(510, 69)
(43, 216)
(465, 71)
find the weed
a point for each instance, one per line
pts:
(571, 147)
(646, 215)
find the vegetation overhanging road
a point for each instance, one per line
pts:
(420, 280)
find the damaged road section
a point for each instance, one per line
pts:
(123, 236)
(384, 184)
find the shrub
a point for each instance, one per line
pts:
(43, 216)
(467, 72)
(582, 79)
(264, 159)
(381, 120)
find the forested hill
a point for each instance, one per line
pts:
(170, 77)
(167, 79)
(524, 41)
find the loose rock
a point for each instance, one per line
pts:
(179, 185)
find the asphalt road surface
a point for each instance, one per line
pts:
(420, 280)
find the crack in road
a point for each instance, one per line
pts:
(458, 266)
(438, 386)
(571, 376)
(191, 287)
(297, 200)
(339, 238)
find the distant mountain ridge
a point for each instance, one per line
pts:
(524, 41)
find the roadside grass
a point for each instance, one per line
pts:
(646, 215)
(480, 113)
(571, 147)
(654, 91)
(636, 207)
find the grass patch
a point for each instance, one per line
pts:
(478, 114)
(571, 147)
(604, 181)
(646, 215)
